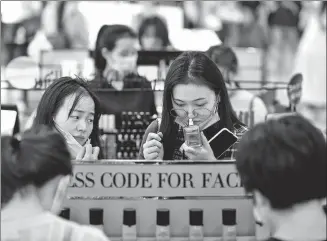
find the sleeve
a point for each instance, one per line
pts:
(92, 234)
(152, 128)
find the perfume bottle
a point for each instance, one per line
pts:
(229, 225)
(192, 135)
(129, 225)
(163, 225)
(196, 225)
(96, 218)
(65, 213)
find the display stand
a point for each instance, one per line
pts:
(147, 186)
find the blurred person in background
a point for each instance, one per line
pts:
(283, 22)
(71, 108)
(311, 63)
(153, 34)
(63, 26)
(282, 164)
(252, 32)
(115, 58)
(242, 100)
(35, 174)
(20, 21)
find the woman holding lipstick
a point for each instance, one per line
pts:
(194, 89)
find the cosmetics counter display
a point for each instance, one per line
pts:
(163, 200)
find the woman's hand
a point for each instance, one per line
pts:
(88, 153)
(153, 148)
(199, 153)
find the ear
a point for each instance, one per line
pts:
(105, 53)
(260, 199)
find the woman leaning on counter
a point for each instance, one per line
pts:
(194, 89)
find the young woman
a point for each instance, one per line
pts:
(68, 106)
(115, 58)
(194, 89)
(241, 100)
(35, 172)
(153, 34)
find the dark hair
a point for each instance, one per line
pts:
(194, 67)
(107, 37)
(161, 30)
(54, 97)
(38, 157)
(224, 56)
(284, 159)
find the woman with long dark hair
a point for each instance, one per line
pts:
(69, 106)
(115, 59)
(194, 89)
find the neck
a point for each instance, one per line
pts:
(302, 222)
(22, 205)
(112, 75)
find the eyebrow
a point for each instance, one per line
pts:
(81, 111)
(192, 100)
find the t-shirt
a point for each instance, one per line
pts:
(48, 227)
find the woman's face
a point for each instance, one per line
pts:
(123, 57)
(80, 123)
(150, 41)
(190, 97)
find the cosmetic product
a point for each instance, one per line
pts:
(96, 218)
(163, 225)
(65, 213)
(192, 135)
(196, 225)
(129, 232)
(229, 224)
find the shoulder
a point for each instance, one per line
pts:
(81, 232)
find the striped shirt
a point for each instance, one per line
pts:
(48, 227)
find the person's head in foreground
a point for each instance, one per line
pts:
(194, 89)
(283, 164)
(33, 168)
(116, 51)
(153, 34)
(69, 107)
(35, 174)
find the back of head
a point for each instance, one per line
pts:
(39, 156)
(285, 160)
(107, 37)
(223, 56)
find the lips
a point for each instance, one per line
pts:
(80, 139)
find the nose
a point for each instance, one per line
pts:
(81, 126)
(190, 112)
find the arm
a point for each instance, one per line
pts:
(152, 128)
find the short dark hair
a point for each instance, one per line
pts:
(54, 97)
(107, 37)
(225, 56)
(38, 157)
(161, 30)
(284, 159)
